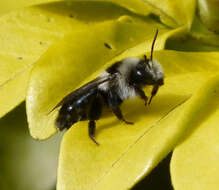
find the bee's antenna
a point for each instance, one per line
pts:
(152, 47)
(146, 61)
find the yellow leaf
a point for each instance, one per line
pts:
(127, 153)
(194, 163)
(26, 34)
(20, 48)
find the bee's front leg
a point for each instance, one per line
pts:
(154, 92)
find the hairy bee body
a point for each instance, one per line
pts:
(122, 80)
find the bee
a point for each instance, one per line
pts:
(122, 80)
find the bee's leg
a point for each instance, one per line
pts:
(118, 113)
(91, 131)
(113, 102)
(154, 92)
(94, 114)
(141, 93)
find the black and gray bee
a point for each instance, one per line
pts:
(122, 80)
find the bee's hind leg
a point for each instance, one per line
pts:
(91, 131)
(94, 114)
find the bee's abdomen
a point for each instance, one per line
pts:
(75, 110)
(63, 123)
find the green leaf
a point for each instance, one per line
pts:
(194, 163)
(25, 163)
(26, 34)
(127, 153)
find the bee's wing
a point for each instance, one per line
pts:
(92, 85)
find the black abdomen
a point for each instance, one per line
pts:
(86, 107)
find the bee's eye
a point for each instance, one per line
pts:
(139, 73)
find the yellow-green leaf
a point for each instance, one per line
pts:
(20, 48)
(208, 13)
(173, 13)
(137, 6)
(194, 163)
(10, 5)
(76, 57)
(197, 39)
(201, 33)
(26, 34)
(127, 153)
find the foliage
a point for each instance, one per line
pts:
(50, 48)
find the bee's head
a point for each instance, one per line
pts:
(148, 71)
